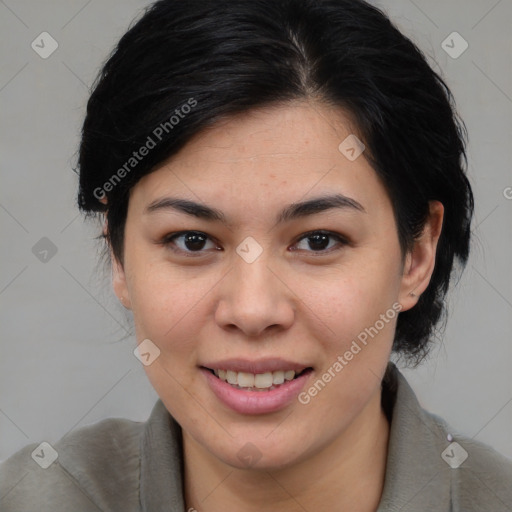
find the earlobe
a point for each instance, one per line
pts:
(118, 274)
(119, 282)
(420, 261)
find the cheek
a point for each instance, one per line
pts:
(360, 318)
(168, 310)
(356, 304)
(349, 299)
(165, 298)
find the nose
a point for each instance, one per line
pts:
(254, 298)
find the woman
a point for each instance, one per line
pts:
(284, 198)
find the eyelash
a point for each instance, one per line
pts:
(168, 241)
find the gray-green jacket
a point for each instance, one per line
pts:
(120, 465)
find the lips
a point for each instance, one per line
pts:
(256, 387)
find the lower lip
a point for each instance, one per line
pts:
(256, 402)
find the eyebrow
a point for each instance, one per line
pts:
(290, 212)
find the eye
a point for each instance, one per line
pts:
(194, 243)
(188, 242)
(318, 241)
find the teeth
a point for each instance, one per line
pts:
(278, 377)
(245, 380)
(263, 380)
(256, 381)
(289, 375)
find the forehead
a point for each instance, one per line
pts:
(294, 130)
(267, 157)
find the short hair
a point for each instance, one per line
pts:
(240, 55)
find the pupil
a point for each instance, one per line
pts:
(194, 241)
(321, 239)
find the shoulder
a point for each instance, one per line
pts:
(92, 468)
(481, 478)
(434, 467)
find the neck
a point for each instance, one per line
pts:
(348, 474)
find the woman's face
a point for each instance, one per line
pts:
(243, 288)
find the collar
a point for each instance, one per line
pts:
(161, 470)
(417, 478)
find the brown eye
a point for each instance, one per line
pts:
(319, 242)
(188, 242)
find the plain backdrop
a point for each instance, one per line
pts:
(66, 360)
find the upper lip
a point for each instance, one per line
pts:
(256, 366)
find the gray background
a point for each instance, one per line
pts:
(66, 353)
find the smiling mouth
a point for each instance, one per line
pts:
(257, 381)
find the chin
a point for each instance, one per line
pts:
(258, 452)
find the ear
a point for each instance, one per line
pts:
(118, 274)
(420, 261)
(119, 282)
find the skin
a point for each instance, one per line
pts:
(302, 305)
